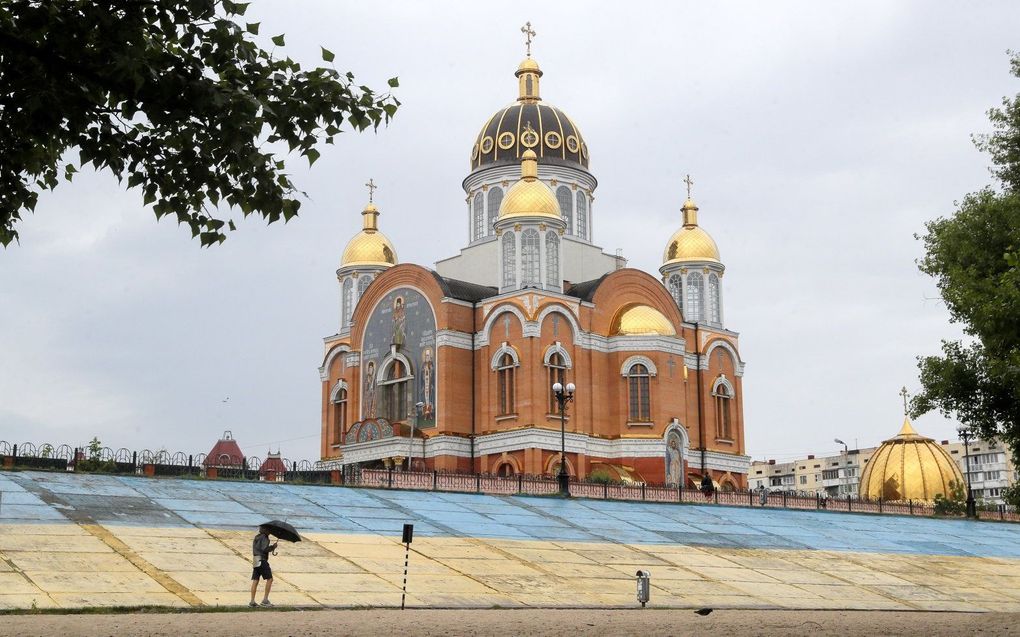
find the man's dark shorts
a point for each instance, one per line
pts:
(262, 570)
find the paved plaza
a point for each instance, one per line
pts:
(73, 540)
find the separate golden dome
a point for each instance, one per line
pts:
(369, 247)
(529, 197)
(529, 65)
(909, 467)
(690, 242)
(641, 320)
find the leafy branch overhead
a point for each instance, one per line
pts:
(174, 96)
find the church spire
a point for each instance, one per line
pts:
(528, 71)
(690, 209)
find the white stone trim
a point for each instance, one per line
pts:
(353, 359)
(504, 349)
(333, 353)
(341, 385)
(384, 364)
(738, 365)
(636, 360)
(568, 312)
(725, 382)
(453, 338)
(726, 462)
(482, 339)
(557, 348)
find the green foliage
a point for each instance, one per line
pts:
(974, 256)
(601, 476)
(94, 448)
(954, 504)
(1011, 495)
(171, 95)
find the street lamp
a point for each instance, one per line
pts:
(966, 434)
(563, 396)
(846, 462)
(410, 443)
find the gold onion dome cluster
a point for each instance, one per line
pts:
(909, 467)
(369, 247)
(690, 242)
(641, 319)
(529, 197)
(529, 124)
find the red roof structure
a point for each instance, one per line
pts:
(225, 453)
(273, 463)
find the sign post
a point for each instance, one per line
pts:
(408, 536)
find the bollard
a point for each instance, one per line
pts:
(643, 587)
(406, 539)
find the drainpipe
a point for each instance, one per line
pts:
(701, 416)
(474, 328)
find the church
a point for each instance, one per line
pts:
(452, 368)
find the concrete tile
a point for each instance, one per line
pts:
(489, 567)
(71, 562)
(361, 582)
(732, 574)
(16, 584)
(123, 582)
(202, 562)
(137, 598)
(423, 585)
(54, 543)
(26, 601)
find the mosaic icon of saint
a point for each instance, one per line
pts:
(428, 385)
(370, 390)
(399, 322)
(674, 460)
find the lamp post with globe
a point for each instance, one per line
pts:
(563, 396)
(966, 434)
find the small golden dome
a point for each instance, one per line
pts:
(529, 197)
(529, 64)
(690, 242)
(369, 247)
(641, 319)
(909, 467)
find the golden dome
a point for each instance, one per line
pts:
(369, 247)
(529, 197)
(690, 242)
(909, 467)
(641, 319)
(529, 64)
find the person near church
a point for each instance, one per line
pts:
(261, 547)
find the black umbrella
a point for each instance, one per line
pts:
(281, 530)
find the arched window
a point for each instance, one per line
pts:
(530, 246)
(566, 207)
(478, 214)
(340, 416)
(505, 372)
(714, 306)
(582, 215)
(363, 282)
(505, 470)
(723, 429)
(637, 388)
(695, 296)
(348, 301)
(676, 288)
(495, 199)
(509, 260)
(552, 259)
(557, 374)
(394, 392)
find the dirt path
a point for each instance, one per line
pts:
(550, 623)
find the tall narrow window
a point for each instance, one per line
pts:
(637, 388)
(557, 374)
(566, 207)
(676, 289)
(509, 260)
(505, 370)
(495, 199)
(530, 246)
(348, 301)
(340, 416)
(363, 283)
(695, 296)
(714, 306)
(394, 390)
(552, 259)
(723, 429)
(478, 230)
(582, 215)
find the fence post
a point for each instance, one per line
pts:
(478, 483)
(818, 501)
(435, 479)
(880, 505)
(134, 459)
(910, 505)
(14, 453)
(642, 490)
(293, 464)
(715, 494)
(680, 490)
(784, 499)
(520, 483)
(849, 506)
(389, 477)
(191, 461)
(750, 498)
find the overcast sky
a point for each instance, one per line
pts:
(820, 135)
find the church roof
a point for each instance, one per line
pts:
(909, 466)
(225, 452)
(586, 289)
(464, 291)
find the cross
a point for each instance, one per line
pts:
(528, 33)
(903, 392)
(689, 182)
(671, 364)
(556, 324)
(506, 325)
(371, 189)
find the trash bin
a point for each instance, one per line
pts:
(643, 586)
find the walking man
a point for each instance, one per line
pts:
(260, 549)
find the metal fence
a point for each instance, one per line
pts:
(49, 457)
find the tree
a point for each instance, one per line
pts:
(171, 95)
(974, 256)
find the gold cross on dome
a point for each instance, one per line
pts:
(371, 189)
(689, 182)
(903, 392)
(528, 34)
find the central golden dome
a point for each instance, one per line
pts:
(909, 467)
(369, 247)
(690, 242)
(641, 320)
(529, 197)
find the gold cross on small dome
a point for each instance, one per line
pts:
(903, 392)
(689, 182)
(371, 189)
(528, 34)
